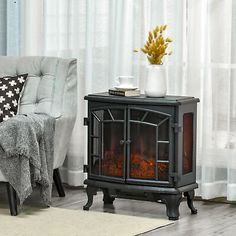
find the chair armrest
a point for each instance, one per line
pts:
(63, 130)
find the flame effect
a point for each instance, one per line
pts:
(142, 162)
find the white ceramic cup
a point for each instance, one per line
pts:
(126, 81)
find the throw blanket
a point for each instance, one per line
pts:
(26, 153)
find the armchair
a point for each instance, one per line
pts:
(51, 88)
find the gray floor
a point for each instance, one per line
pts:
(212, 218)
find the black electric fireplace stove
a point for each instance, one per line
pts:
(142, 148)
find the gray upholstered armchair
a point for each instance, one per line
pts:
(51, 88)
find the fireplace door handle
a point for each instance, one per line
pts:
(122, 142)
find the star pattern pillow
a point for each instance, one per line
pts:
(10, 90)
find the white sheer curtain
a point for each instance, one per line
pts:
(102, 35)
(211, 70)
(9, 27)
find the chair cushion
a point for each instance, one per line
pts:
(47, 83)
(10, 90)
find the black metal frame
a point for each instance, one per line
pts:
(126, 143)
(155, 182)
(190, 177)
(100, 176)
(169, 192)
(12, 195)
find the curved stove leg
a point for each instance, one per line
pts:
(107, 199)
(172, 202)
(90, 192)
(190, 197)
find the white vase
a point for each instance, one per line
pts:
(156, 81)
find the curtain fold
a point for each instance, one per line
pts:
(32, 27)
(102, 35)
(13, 27)
(3, 27)
(9, 27)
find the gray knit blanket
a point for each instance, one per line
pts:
(26, 154)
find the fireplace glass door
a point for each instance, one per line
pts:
(107, 148)
(148, 152)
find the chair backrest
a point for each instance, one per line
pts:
(51, 86)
